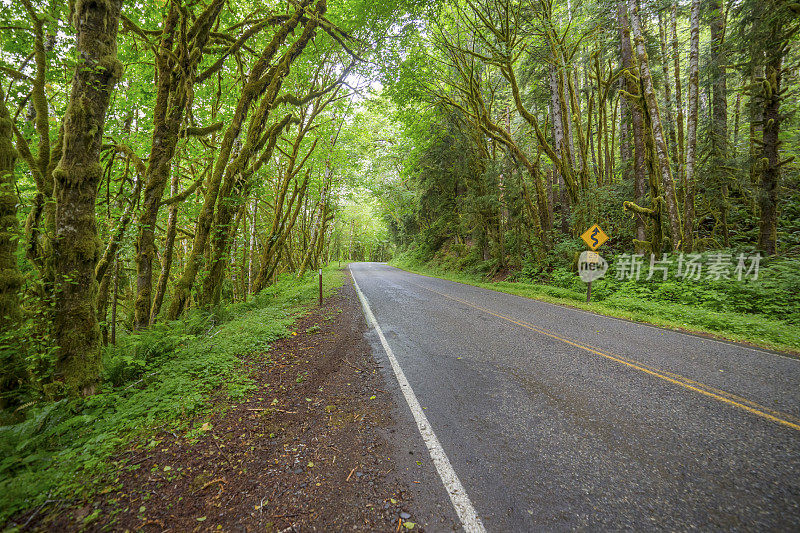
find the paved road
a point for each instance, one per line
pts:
(558, 419)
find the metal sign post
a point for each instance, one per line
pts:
(591, 265)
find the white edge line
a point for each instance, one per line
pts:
(458, 496)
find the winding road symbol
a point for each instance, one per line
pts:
(594, 237)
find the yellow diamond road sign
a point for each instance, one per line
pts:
(594, 237)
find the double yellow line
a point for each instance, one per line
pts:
(784, 419)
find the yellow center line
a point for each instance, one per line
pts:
(784, 419)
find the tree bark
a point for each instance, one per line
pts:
(169, 250)
(770, 175)
(639, 171)
(10, 277)
(661, 150)
(177, 70)
(77, 247)
(679, 118)
(258, 83)
(253, 255)
(691, 126)
(719, 117)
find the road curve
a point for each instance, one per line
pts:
(558, 419)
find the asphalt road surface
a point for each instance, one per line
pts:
(557, 419)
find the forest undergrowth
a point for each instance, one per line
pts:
(162, 378)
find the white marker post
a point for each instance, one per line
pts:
(591, 266)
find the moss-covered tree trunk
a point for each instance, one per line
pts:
(719, 114)
(76, 246)
(40, 220)
(10, 277)
(665, 68)
(177, 71)
(169, 250)
(657, 129)
(679, 115)
(262, 79)
(770, 161)
(234, 191)
(637, 120)
(691, 128)
(252, 258)
(270, 256)
(560, 144)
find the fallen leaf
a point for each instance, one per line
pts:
(203, 518)
(372, 397)
(409, 525)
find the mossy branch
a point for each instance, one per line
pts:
(185, 194)
(129, 153)
(17, 75)
(645, 211)
(197, 131)
(232, 49)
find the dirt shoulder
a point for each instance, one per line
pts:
(307, 450)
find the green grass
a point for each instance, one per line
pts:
(755, 329)
(159, 379)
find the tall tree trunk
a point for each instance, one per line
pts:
(756, 112)
(77, 247)
(169, 250)
(253, 256)
(167, 120)
(11, 363)
(665, 68)
(245, 264)
(679, 117)
(228, 205)
(177, 69)
(719, 117)
(639, 170)
(691, 126)
(258, 82)
(661, 151)
(111, 253)
(10, 277)
(625, 147)
(560, 144)
(770, 143)
(114, 302)
(736, 108)
(270, 256)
